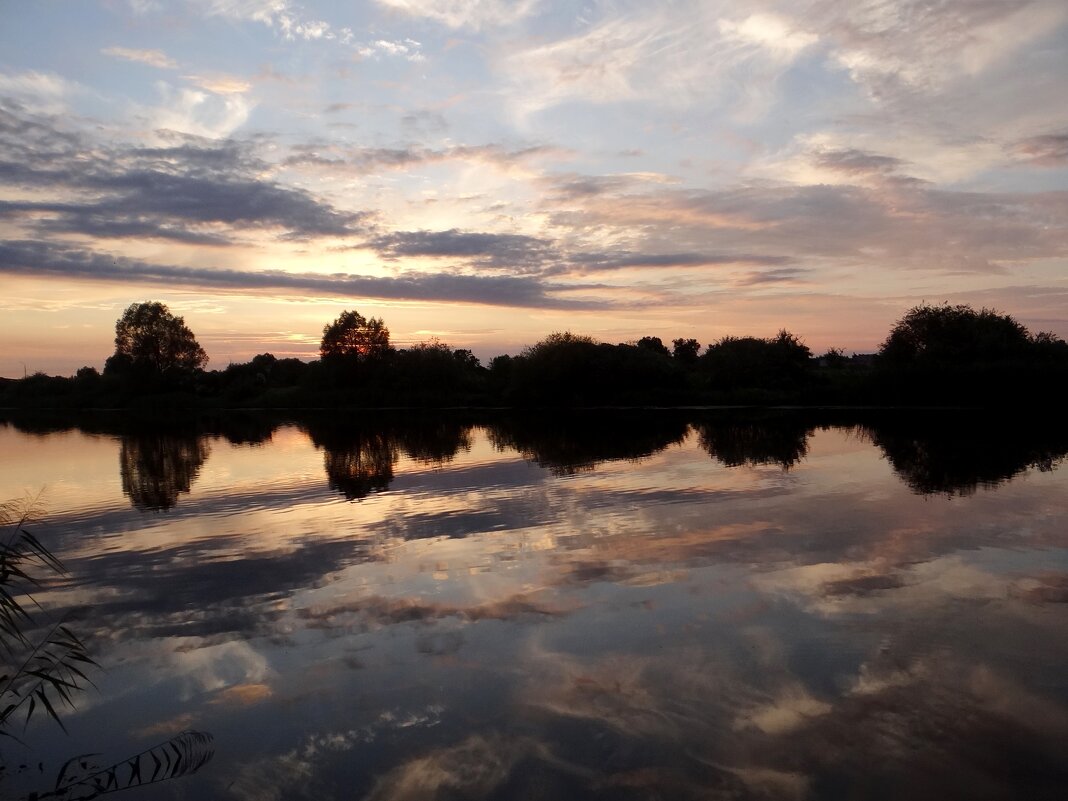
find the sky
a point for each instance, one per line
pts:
(484, 172)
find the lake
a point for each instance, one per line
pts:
(702, 604)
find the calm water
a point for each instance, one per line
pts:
(642, 606)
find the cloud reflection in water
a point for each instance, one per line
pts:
(784, 607)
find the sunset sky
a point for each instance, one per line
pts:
(487, 172)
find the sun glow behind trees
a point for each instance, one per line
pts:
(933, 355)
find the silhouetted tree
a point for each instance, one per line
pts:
(570, 369)
(1048, 347)
(151, 341)
(685, 351)
(432, 373)
(354, 336)
(955, 336)
(500, 374)
(654, 344)
(834, 358)
(782, 362)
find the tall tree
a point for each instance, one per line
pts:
(148, 338)
(355, 336)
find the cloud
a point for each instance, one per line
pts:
(281, 15)
(914, 45)
(221, 84)
(39, 92)
(769, 31)
(144, 203)
(473, 14)
(520, 253)
(786, 275)
(408, 49)
(671, 55)
(475, 768)
(892, 222)
(53, 259)
(369, 160)
(187, 189)
(1045, 150)
(199, 113)
(290, 22)
(622, 260)
(853, 161)
(514, 251)
(154, 58)
(424, 120)
(384, 611)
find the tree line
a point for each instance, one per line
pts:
(934, 355)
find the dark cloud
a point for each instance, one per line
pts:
(786, 275)
(72, 218)
(1048, 150)
(896, 222)
(571, 186)
(1047, 588)
(366, 160)
(862, 585)
(40, 258)
(622, 260)
(529, 254)
(853, 161)
(385, 611)
(425, 120)
(514, 251)
(186, 191)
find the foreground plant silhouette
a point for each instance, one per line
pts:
(44, 671)
(80, 779)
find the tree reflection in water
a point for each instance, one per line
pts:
(957, 456)
(576, 443)
(156, 467)
(779, 441)
(364, 465)
(434, 441)
(932, 452)
(359, 457)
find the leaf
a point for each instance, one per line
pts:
(48, 705)
(70, 776)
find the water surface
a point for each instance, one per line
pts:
(604, 606)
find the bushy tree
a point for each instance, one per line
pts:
(571, 369)
(953, 336)
(654, 344)
(685, 351)
(433, 373)
(151, 340)
(780, 362)
(354, 336)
